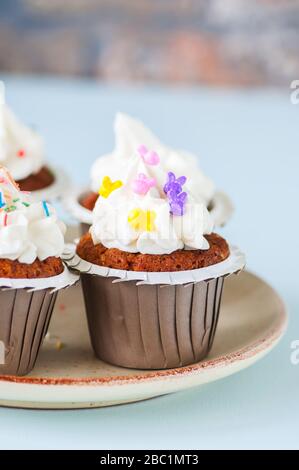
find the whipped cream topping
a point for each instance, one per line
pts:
(130, 133)
(151, 200)
(21, 149)
(28, 230)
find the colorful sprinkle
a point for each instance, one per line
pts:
(150, 157)
(177, 203)
(6, 178)
(142, 184)
(174, 184)
(141, 220)
(2, 203)
(5, 220)
(16, 200)
(107, 186)
(21, 153)
(46, 209)
(10, 208)
(173, 189)
(26, 204)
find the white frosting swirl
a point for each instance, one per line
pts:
(21, 149)
(154, 230)
(28, 230)
(129, 135)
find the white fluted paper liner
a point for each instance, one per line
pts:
(57, 189)
(221, 207)
(66, 279)
(73, 207)
(234, 263)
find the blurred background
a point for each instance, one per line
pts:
(216, 42)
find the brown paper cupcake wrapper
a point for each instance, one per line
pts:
(221, 208)
(153, 320)
(151, 326)
(26, 307)
(24, 321)
(65, 279)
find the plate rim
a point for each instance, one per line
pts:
(263, 344)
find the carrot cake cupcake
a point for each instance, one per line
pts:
(22, 152)
(31, 273)
(152, 229)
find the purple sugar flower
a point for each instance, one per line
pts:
(174, 184)
(177, 202)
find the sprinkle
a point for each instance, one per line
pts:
(142, 220)
(142, 184)
(149, 156)
(21, 153)
(3, 180)
(16, 200)
(46, 209)
(10, 208)
(174, 184)
(59, 345)
(2, 203)
(26, 192)
(173, 189)
(26, 204)
(177, 203)
(107, 186)
(142, 150)
(5, 219)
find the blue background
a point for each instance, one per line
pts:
(248, 143)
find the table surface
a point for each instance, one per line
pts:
(247, 142)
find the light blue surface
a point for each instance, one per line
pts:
(248, 142)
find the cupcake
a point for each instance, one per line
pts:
(22, 153)
(129, 135)
(152, 268)
(31, 273)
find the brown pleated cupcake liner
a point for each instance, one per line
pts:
(151, 326)
(24, 320)
(26, 307)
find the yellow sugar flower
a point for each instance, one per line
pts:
(142, 220)
(108, 186)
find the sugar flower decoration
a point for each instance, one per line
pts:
(173, 188)
(142, 184)
(107, 186)
(150, 157)
(141, 220)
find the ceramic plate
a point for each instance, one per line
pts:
(67, 375)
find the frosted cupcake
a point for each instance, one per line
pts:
(22, 152)
(130, 134)
(31, 273)
(150, 229)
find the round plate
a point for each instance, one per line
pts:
(67, 374)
